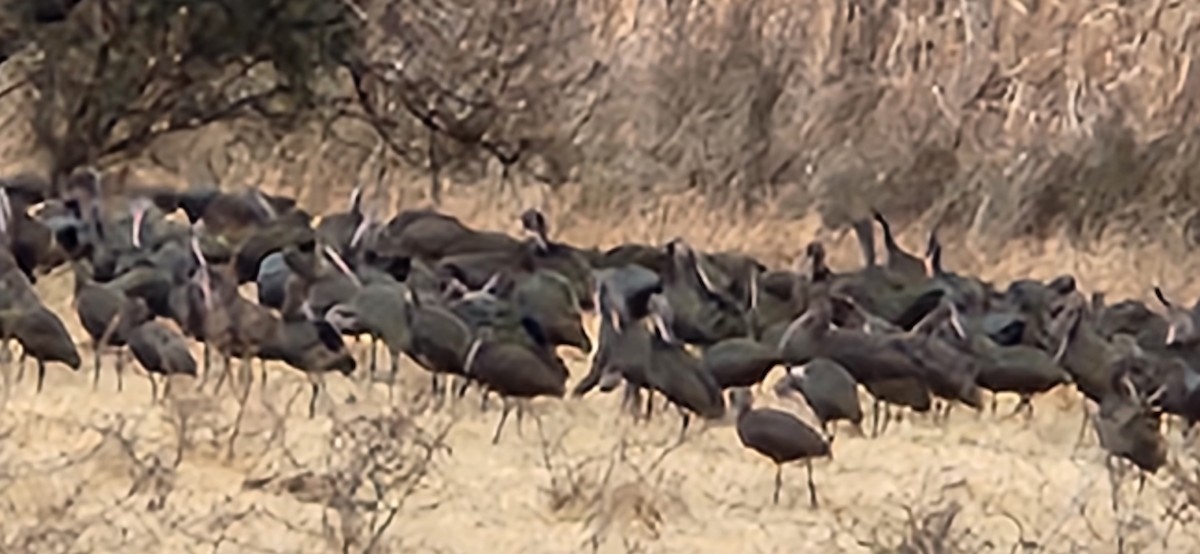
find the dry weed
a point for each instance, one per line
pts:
(626, 493)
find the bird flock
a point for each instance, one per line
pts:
(701, 330)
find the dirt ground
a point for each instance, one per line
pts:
(85, 470)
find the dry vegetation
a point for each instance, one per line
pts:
(1056, 136)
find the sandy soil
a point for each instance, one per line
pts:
(102, 471)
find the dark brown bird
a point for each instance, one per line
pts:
(677, 374)
(549, 299)
(431, 235)
(161, 352)
(899, 262)
(739, 362)
(259, 242)
(1082, 352)
(623, 345)
(312, 346)
(28, 243)
(440, 341)
(100, 309)
(233, 216)
(906, 392)
(1127, 427)
(563, 259)
(339, 229)
(382, 310)
(512, 371)
(41, 335)
(829, 389)
(781, 437)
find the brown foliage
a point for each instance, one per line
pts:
(1011, 118)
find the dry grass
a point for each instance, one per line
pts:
(99, 471)
(1048, 137)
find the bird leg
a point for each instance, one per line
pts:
(435, 384)
(483, 400)
(778, 483)
(374, 353)
(812, 487)
(1028, 401)
(95, 365)
(503, 416)
(120, 369)
(520, 415)
(263, 365)
(237, 421)
(315, 381)
(1110, 464)
(631, 399)
(1114, 479)
(41, 368)
(224, 374)
(946, 414)
(875, 419)
(7, 383)
(21, 366)
(153, 388)
(166, 393)
(106, 338)
(235, 374)
(395, 367)
(247, 369)
(995, 397)
(687, 418)
(649, 404)
(1082, 426)
(207, 360)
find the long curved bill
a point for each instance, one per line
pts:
(341, 265)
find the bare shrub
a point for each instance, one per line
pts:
(375, 465)
(118, 483)
(114, 76)
(1012, 120)
(626, 493)
(451, 85)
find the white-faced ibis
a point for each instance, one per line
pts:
(338, 229)
(440, 340)
(548, 298)
(739, 362)
(704, 312)
(42, 336)
(1127, 427)
(899, 262)
(677, 374)
(779, 436)
(100, 309)
(160, 350)
(312, 346)
(829, 389)
(513, 371)
(431, 235)
(381, 310)
(565, 260)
